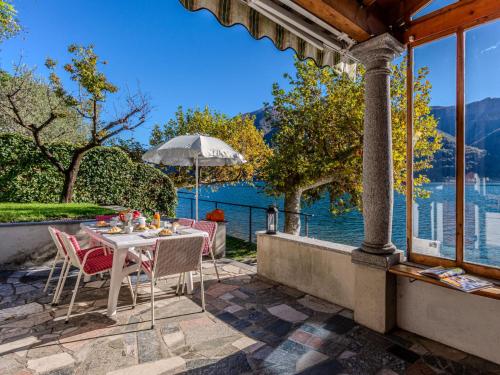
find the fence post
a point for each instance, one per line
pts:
(250, 224)
(307, 225)
(191, 200)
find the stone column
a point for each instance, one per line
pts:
(375, 288)
(376, 55)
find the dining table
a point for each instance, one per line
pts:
(123, 243)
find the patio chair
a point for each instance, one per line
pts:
(91, 262)
(172, 256)
(185, 222)
(62, 255)
(209, 227)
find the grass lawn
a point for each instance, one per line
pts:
(17, 212)
(240, 250)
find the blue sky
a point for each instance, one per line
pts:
(183, 58)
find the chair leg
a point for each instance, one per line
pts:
(183, 282)
(56, 258)
(62, 281)
(152, 301)
(74, 294)
(215, 265)
(178, 284)
(137, 284)
(202, 292)
(131, 287)
(59, 282)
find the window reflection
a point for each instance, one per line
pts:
(482, 140)
(434, 215)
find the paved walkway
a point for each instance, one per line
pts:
(251, 327)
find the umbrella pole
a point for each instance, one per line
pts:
(196, 178)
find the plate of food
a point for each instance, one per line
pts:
(114, 230)
(102, 224)
(140, 228)
(165, 232)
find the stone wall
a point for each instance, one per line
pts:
(464, 321)
(320, 268)
(31, 242)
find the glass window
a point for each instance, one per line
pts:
(434, 174)
(482, 145)
(433, 6)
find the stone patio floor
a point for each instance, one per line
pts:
(251, 326)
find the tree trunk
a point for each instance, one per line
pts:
(70, 178)
(292, 220)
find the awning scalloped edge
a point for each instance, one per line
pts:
(234, 12)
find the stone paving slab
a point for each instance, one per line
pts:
(251, 326)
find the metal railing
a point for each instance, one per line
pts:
(251, 219)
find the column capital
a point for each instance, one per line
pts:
(378, 50)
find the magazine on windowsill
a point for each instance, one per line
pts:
(466, 283)
(440, 273)
(456, 278)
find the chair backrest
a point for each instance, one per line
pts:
(72, 247)
(209, 227)
(177, 255)
(55, 234)
(185, 222)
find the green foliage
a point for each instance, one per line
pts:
(19, 212)
(133, 148)
(318, 143)
(239, 132)
(35, 106)
(427, 141)
(104, 176)
(9, 25)
(151, 190)
(107, 177)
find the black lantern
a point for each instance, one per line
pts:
(272, 219)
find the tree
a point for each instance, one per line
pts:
(239, 132)
(19, 96)
(317, 147)
(9, 25)
(67, 128)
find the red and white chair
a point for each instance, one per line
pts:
(62, 255)
(91, 262)
(171, 256)
(210, 227)
(185, 222)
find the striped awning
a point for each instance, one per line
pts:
(279, 21)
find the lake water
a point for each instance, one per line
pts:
(433, 227)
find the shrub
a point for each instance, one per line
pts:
(107, 176)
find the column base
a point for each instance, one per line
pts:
(375, 290)
(378, 249)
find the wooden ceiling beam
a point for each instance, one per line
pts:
(447, 20)
(348, 16)
(413, 6)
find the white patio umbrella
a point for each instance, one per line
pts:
(194, 150)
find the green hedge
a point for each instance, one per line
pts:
(107, 176)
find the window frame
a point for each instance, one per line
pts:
(428, 260)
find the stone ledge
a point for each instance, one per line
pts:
(47, 222)
(311, 242)
(383, 261)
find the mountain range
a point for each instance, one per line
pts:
(482, 138)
